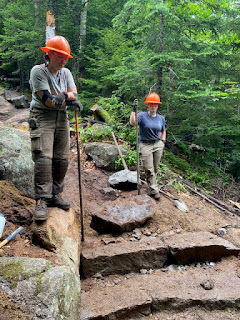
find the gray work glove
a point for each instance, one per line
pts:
(135, 104)
(58, 100)
(77, 104)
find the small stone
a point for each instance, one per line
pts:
(147, 233)
(207, 284)
(107, 241)
(212, 264)
(154, 234)
(116, 281)
(143, 271)
(222, 232)
(1, 252)
(98, 276)
(178, 230)
(133, 239)
(172, 267)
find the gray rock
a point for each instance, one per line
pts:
(20, 102)
(124, 180)
(14, 269)
(40, 290)
(104, 155)
(199, 247)
(123, 215)
(16, 163)
(207, 284)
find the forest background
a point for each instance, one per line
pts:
(186, 51)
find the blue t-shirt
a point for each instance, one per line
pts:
(150, 127)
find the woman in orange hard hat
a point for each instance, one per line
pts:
(53, 89)
(152, 140)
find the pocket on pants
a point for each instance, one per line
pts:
(36, 143)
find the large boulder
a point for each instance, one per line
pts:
(60, 233)
(16, 163)
(104, 155)
(40, 290)
(20, 102)
(123, 215)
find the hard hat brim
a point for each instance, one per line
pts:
(147, 102)
(47, 49)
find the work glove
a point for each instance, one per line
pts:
(135, 104)
(58, 100)
(77, 104)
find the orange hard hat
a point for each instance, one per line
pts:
(153, 98)
(58, 44)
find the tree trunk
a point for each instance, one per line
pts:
(36, 11)
(79, 67)
(161, 49)
(83, 26)
(50, 27)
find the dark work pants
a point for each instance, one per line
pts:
(50, 148)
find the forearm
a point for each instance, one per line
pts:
(47, 99)
(64, 98)
(163, 135)
(133, 119)
(71, 94)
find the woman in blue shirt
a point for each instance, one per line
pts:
(152, 140)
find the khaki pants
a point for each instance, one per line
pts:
(151, 154)
(50, 142)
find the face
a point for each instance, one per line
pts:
(152, 106)
(58, 60)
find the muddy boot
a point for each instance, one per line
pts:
(57, 201)
(156, 196)
(40, 213)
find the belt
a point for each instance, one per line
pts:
(149, 141)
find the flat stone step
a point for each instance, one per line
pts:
(122, 257)
(125, 256)
(192, 247)
(138, 295)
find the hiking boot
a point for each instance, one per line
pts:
(157, 196)
(40, 212)
(57, 201)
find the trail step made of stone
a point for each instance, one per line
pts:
(192, 247)
(145, 294)
(122, 257)
(126, 256)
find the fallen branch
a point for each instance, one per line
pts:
(94, 121)
(217, 203)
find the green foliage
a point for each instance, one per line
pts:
(130, 159)
(95, 133)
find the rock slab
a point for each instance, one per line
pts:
(122, 257)
(123, 215)
(145, 294)
(198, 247)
